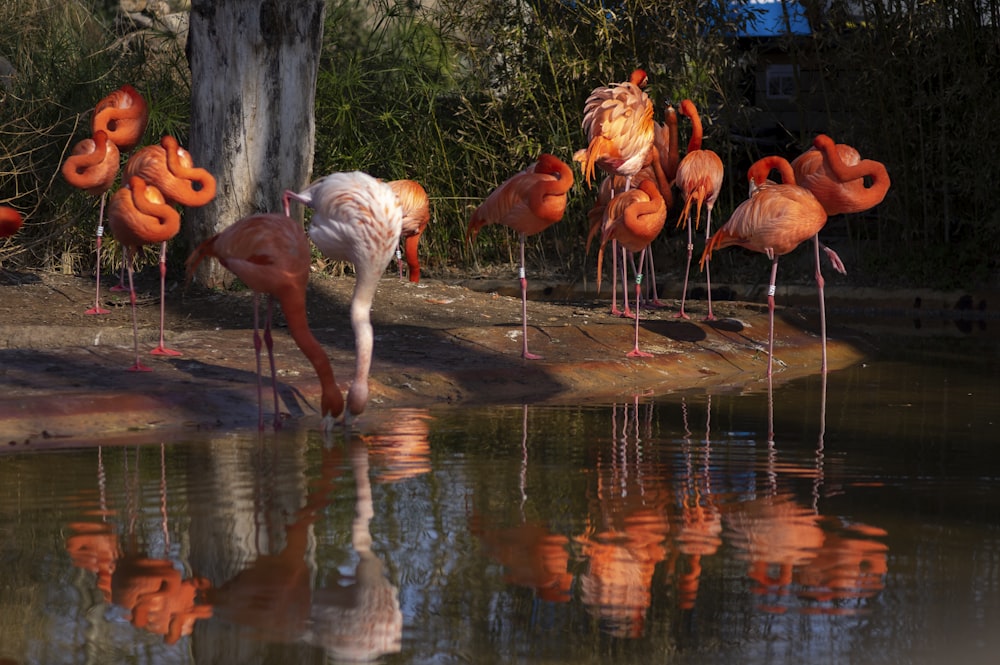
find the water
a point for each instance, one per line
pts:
(673, 529)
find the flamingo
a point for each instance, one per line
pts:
(528, 202)
(270, 254)
(835, 174)
(618, 122)
(139, 215)
(123, 115)
(416, 214)
(170, 169)
(662, 168)
(356, 218)
(633, 218)
(10, 221)
(775, 220)
(92, 167)
(699, 178)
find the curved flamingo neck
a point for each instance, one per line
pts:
(689, 110)
(412, 258)
(181, 166)
(294, 309)
(864, 168)
(674, 150)
(149, 201)
(544, 189)
(762, 168)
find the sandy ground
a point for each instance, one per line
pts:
(64, 380)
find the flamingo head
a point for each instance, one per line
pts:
(639, 78)
(688, 109)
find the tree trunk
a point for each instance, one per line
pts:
(253, 88)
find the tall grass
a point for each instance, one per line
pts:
(461, 94)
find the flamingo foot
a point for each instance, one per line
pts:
(164, 351)
(615, 311)
(636, 353)
(710, 317)
(97, 310)
(655, 302)
(139, 367)
(530, 356)
(627, 313)
(118, 287)
(681, 315)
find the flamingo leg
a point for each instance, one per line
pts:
(687, 270)
(269, 343)
(708, 273)
(256, 349)
(97, 309)
(655, 302)
(138, 366)
(627, 312)
(162, 350)
(635, 352)
(614, 280)
(820, 283)
(770, 314)
(120, 286)
(524, 309)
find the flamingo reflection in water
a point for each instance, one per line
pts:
(532, 556)
(696, 532)
(355, 618)
(627, 533)
(151, 591)
(400, 449)
(794, 548)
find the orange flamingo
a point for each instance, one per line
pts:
(775, 220)
(699, 178)
(618, 122)
(270, 254)
(528, 202)
(139, 215)
(92, 166)
(662, 169)
(416, 214)
(835, 174)
(633, 218)
(170, 169)
(10, 221)
(775, 536)
(123, 115)
(355, 218)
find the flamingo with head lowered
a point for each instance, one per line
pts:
(270, 254)
(529, 202)
(416, 214)
(356, 218)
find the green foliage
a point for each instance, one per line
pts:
(65, 57)
(461, 94)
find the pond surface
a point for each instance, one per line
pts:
(668, 529)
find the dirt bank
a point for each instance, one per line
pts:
(64, 379)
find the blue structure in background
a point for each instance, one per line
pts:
(766, 18)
